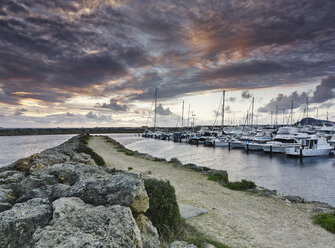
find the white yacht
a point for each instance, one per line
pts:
(286, 137)
(221, 141)
(311, 147)
(239, 143)
(261, 138)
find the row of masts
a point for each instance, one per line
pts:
(248, 116)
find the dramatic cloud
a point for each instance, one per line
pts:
(52, 52)
(324, 92)
(163, 111)
(284, 102)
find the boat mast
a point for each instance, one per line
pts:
(252, 111)
(292, 113)
(307, 109)
(155, 120)
(222, 112)
(327, 116)
(188, 116)
(182, 116)
(276, 122)
(271, 117)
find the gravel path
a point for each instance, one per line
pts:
(238, 219)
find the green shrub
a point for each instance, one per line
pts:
(218, 178)
(242, 185)
(130, 168)
(163, 210)
(327, 221)
(82, 147)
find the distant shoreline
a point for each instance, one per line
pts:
(55, 131)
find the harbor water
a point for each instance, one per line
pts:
(13, 148)
(313, 179)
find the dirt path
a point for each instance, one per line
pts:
(238, 219)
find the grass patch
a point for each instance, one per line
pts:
(125, 151)
(82, 147)
(327, 221)
(159, 159)
(242, 185)
(218, 178)
(165, 216)
(130, 168)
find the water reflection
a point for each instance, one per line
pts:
(313, 179)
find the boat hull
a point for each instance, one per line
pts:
(276, 148)
(295, 152)
(220, 143)
(253, 147)
(236, 144)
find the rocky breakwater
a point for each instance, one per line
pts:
(61, 198)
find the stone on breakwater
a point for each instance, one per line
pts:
(19, 223)
(76, 224)
(100, 215)
(92, 185)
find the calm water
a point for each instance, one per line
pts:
(13, 148)
(314, 180)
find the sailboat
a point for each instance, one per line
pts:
(221, 140)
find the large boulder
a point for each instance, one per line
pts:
(19, 223)
(31, 182)
(51, 192)
(90, 183)
(92, 206)
(76, 224)
(71, 173)
(7, 198)
(117, 189)
(11, 176)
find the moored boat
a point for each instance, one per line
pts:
(311, 147)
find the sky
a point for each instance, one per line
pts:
(88, 63)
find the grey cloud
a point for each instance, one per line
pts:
(113, 105)
(163, 111)
(323, 92)
(20, 111)
(283, 101)
(178, 46)
(246, 94)
(91, 115)
(68, 114)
